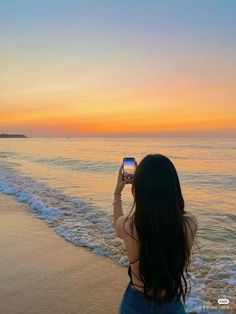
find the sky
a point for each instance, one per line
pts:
(118, 67)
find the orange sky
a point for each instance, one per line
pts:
(66, 75)
(176, 107)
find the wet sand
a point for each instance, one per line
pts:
(43, 273)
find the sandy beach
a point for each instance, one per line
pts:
(43, 273)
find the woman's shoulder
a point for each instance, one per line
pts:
(125, 226)
(191, 224)
(192, 218)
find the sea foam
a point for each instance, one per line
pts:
(90, 227)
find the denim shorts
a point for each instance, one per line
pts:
(134, 302)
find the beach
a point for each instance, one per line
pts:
(60, 251)
(43, 273)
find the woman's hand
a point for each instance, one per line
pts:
(121, 183)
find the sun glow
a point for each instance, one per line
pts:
(84, 80)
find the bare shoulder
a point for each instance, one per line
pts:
(191, 227)
(192, 218)
(123, 226)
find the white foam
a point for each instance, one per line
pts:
(124, 261)
(88, 226)
(25, 197)
(71, 218)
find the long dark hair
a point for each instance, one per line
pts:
(158, 216)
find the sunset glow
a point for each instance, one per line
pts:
(74, 68)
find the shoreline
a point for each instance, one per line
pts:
(41, 272)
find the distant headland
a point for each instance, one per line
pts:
(12, 136)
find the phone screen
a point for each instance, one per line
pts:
(128, 167)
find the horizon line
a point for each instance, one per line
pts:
(171, 134)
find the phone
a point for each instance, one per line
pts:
(129, 166)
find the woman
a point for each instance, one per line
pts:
(158, 235)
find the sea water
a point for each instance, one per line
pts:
(69, 183)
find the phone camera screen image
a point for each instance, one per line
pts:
(128, 167)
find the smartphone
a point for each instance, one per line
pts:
(129, 166)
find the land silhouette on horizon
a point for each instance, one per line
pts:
(3, 135)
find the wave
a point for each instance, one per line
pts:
(88, 226)
(8, 154)
(75, 220)
(213, 181)
(216, 181)
(79, 164)
(69, 163)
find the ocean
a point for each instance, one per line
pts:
(69, 183)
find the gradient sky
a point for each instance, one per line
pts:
(118, 67)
